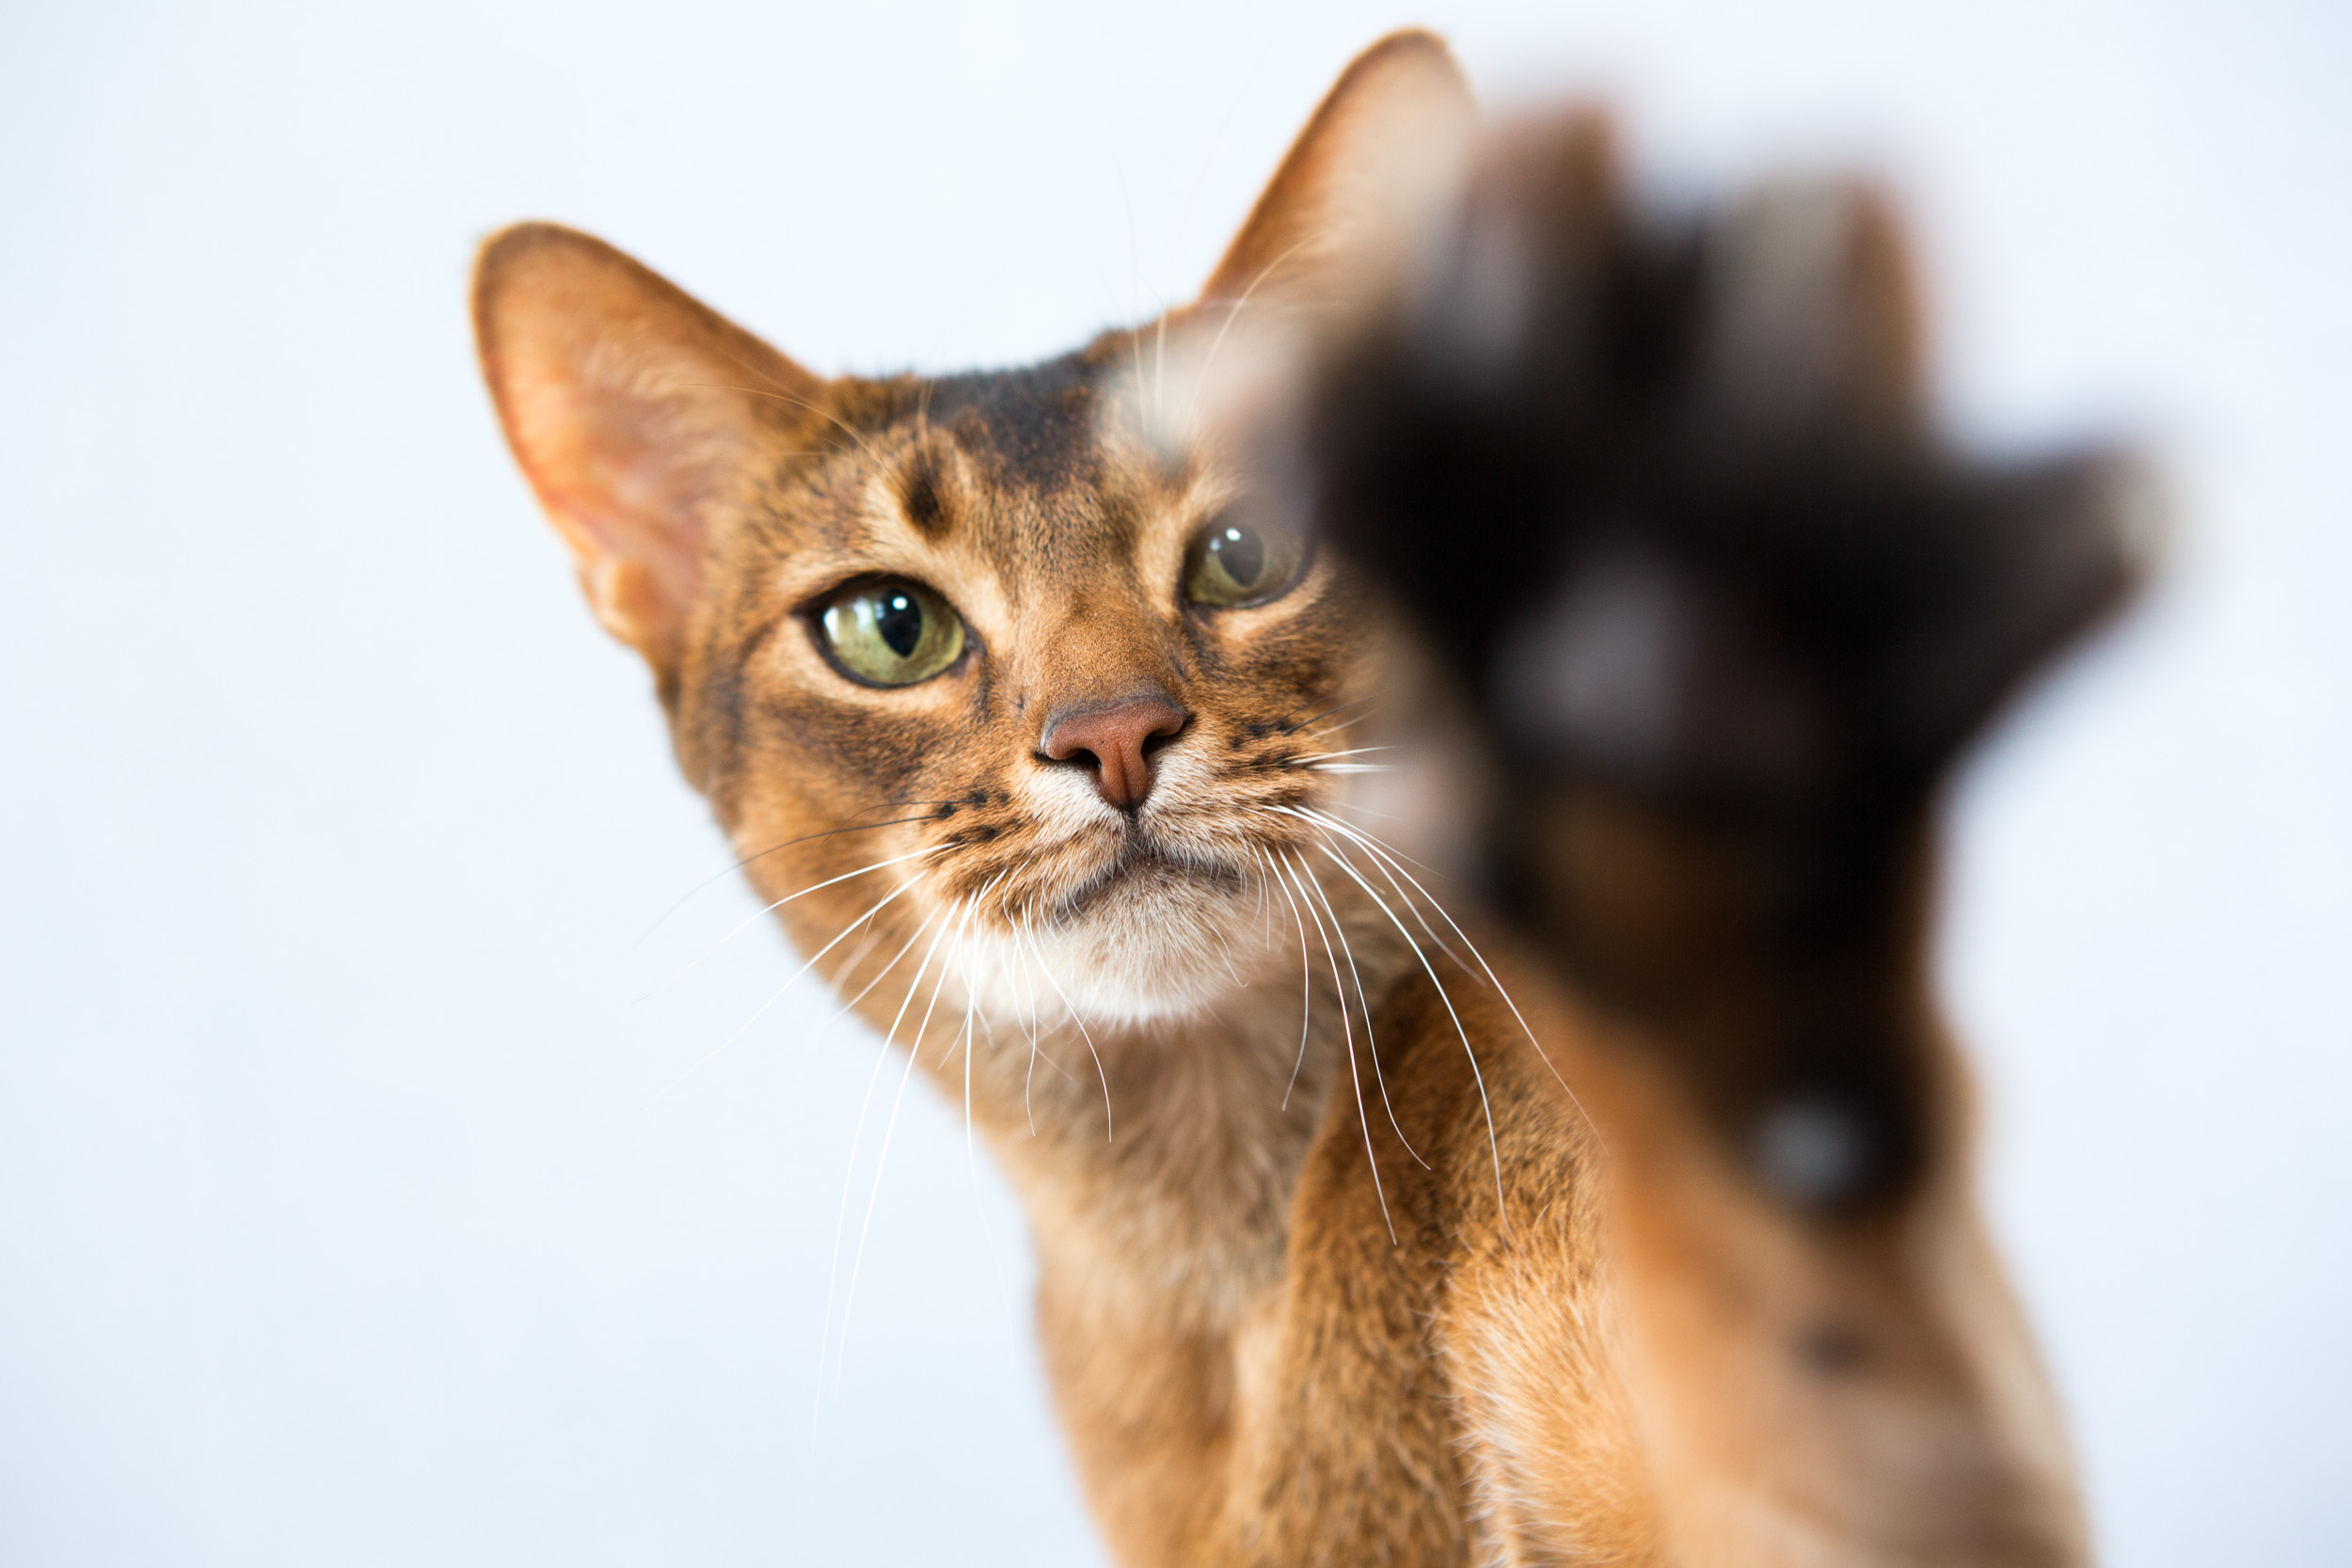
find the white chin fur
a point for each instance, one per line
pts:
(1150, 947)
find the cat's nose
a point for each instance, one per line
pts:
(1115, 742)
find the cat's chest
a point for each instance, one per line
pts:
(1186, 1196)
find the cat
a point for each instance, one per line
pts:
(1630, 1224)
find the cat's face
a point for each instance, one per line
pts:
(1002, 662)
(1076, 690)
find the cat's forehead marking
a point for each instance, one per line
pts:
(919, 493)
(1029, 471)
(1033, 428)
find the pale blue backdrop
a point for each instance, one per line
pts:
(340, 1220)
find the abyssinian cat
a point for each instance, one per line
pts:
(1628, 1223)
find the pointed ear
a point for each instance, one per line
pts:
(633, 412)
(1816, 321)
(1388, 145)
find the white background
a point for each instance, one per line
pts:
(340, 1220)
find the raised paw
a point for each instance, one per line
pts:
(1665, 493)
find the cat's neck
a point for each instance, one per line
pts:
(1160, 1157)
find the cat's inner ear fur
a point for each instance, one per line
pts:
(633, 411)
(1382, 154)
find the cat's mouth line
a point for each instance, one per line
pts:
(1139, 857)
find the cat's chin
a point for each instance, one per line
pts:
(1157, 937)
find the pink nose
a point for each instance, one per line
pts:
(1116, 741)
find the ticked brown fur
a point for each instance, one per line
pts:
(1456, 1269)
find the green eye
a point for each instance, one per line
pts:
(892, 633)
(1238, 563)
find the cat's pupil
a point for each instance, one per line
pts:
(898, 621)
(1240, 552)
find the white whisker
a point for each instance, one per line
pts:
(688, 896)
(859, 954)
(841, 1219)
(749, 919)
(1494, 1144)
(1372, 1046)
(1366, 811)
(1340, 992)
(1240, 303)
(1265, 909)
(779, 991)
(1028, 987)
(1324, 826)
(879, 974)
(1306, 985)
(1382, 856)
(1334, 756)
(1042, 968)
(971, 1159)
(1316, 726)
(890, 1130)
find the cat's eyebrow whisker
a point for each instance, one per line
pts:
(1135, 275)
(1348, 1035)
(1240, 303)
(1135, 337)
(1136, 278)
(775, 995)
(1159, 362)
(1372, 1046)
(748, 920)
(930, 383)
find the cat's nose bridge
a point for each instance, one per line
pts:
(1105, 698)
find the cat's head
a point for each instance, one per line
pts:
(991, 655)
